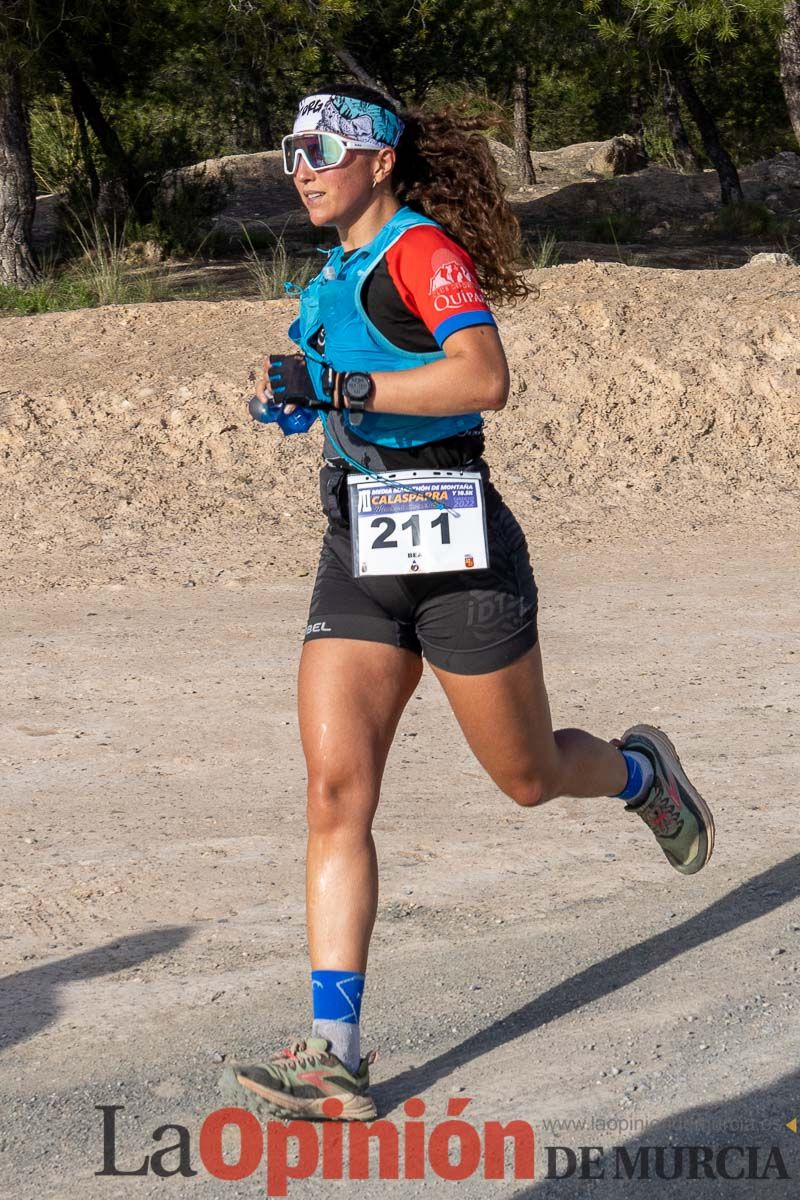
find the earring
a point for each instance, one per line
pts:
(374, 182)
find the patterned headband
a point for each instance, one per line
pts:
(371, 125)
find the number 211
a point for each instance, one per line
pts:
(382, 542)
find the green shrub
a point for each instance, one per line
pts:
(615, 227)
(53, 293)
(271, 271)
(544, 252)
(185, 207)
(55, 144)
(747, 219)
(101, 274)
(576, 104)
(81, 285)
(657, 141)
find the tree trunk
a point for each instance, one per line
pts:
(264, 129)
(522, 144)
(358, 72)
(263, 108)
(682, 148)
(637, 125)
(17, 188)
(86, 151)
(106, 135)
(789, 45)
(730, 185)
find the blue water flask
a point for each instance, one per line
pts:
(297, 422)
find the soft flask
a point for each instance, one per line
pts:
(297, 422)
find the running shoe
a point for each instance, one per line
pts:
(673, 809)
(295, 1082)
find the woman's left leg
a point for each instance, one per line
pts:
(505, 717)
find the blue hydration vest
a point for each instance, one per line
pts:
(352, 343)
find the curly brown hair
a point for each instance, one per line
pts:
(446, 170)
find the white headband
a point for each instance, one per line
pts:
(370, 125)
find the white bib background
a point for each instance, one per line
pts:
(419, 522)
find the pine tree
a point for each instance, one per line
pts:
(789, 46)
(17, 193)
(680, 36)
(17, 190)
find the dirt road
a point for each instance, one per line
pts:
(548, 965)
(156, 560)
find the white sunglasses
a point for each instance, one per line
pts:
(319, 151)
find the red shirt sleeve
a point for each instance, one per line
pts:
(435, 278)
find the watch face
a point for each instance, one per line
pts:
(357, 386)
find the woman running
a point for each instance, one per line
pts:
(401, 355)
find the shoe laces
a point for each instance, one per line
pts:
(663, 815)
(298, 1053)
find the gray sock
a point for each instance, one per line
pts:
(345, 1040)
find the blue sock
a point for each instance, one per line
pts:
(640, 776)
(336, 1002)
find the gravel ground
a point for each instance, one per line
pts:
(547, 965)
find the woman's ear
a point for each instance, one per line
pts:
(383, 165)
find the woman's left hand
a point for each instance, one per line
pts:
(263, 390)
(288, 376)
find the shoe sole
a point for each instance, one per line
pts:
(695, 801)
(265, 1102)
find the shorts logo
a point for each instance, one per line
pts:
(318, 627)
(452, 284)
(469, 561)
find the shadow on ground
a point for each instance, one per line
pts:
(764, 1160)
(29, 999)
(751, 900)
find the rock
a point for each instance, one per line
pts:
(784, 167)
(771, 260)
(504, 157)
(144, 252)
(112, 203)
(618, 156)
(48, 221)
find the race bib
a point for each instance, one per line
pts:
(418, 522)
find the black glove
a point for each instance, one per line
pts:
(291, 383)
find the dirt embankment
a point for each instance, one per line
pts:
(662, 397)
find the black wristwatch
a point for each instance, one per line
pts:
(356, 388)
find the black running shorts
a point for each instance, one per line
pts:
(467, 622)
